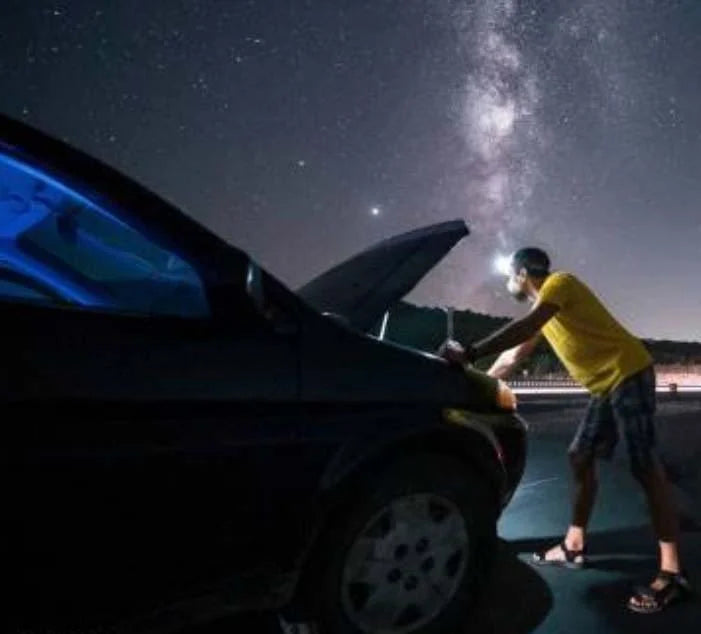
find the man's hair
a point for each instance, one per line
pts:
(534, 260)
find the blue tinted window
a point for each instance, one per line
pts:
(85, 254)
(16, 290)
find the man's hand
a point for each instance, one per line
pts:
(454, 352)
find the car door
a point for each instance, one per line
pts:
(140, 445)
(140, 420)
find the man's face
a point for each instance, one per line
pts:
(516, 285)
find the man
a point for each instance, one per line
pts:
(617, 370)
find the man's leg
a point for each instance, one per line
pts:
(584, 489)
(634, 405)
(663, 513)
(596, 436)
(585, 485)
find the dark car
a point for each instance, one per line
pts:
(184, 437)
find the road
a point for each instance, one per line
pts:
(522, 599)
(622, 546)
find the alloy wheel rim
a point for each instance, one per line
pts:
(405, 565)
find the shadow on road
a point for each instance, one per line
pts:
(608, 598)
(632, 549)
(517, 599)
(630, 556)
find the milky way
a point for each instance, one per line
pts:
(500, 122)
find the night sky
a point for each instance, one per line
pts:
(305, 130)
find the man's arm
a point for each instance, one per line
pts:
(517, 332)
(509, 359)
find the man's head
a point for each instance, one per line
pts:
(529, 267)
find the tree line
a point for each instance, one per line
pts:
(425, 328)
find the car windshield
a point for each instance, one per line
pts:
(84, 252)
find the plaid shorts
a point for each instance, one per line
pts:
(630, 407)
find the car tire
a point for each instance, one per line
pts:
(377, 566)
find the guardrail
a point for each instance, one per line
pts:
(562, 387)
(563, 383)
(543, 383)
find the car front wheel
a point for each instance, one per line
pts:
(412, 554)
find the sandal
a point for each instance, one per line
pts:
(677, 588)
(573, 558)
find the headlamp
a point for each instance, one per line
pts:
(503, 264)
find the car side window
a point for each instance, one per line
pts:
(83, 253)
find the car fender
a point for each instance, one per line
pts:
(363, 458)
(469, 439)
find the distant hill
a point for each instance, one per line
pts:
(425, 328)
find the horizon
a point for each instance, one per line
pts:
(507, 318)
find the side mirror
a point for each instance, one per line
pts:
(255, 288)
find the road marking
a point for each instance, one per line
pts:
(528, 485)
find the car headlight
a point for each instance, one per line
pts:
(506, 399)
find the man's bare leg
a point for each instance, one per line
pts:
(585, 487)
(664, 515)
(664, 520)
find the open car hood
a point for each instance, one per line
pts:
(361, 289)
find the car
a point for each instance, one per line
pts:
(184, 437)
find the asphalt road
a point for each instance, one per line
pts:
(521, 598)
(622, 546)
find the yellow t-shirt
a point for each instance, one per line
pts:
(597, 351)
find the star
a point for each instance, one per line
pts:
(534, 125)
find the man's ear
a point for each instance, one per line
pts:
(522, 274)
